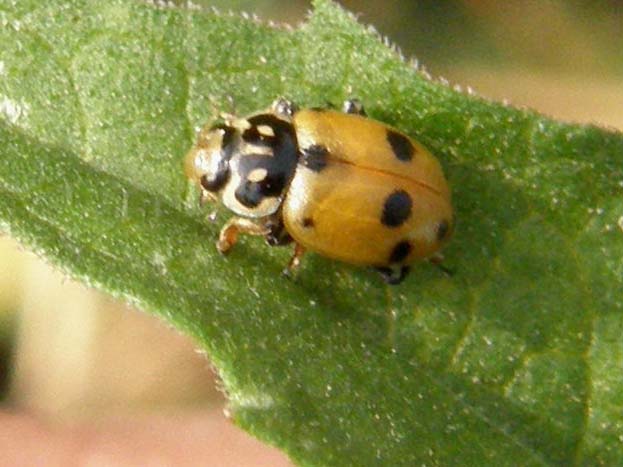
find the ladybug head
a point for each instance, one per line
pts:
(207, 163)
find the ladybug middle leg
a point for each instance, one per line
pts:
(354, 106)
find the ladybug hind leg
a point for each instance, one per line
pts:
(394, 274)
(437, 260)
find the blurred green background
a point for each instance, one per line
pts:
(560, 57)
(564, 36)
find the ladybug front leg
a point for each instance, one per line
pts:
(295, 261)
(234, 226)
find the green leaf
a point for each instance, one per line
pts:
(515, 359)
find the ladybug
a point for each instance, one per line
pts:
(337, 183)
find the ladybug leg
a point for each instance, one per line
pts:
(205, 197)
(437, 260)
(277, 234)
(284, 108)
(393, 275)
(354, 106)
(234, 226)
(295, 261)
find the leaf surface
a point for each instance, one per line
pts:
(518, 356)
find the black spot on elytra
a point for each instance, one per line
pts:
(400, 252)
(307, 222)
(314, 157)
(401, 145)
(443, 228)
(397, 209)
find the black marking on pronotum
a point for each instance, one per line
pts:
(393, 275)
(220, 178)
(228, 133)
(314, 157)
(279, 165)
(282, 130)
(400, 252)
(253, 136)
(280, 126)
(249, 194)
(279, 170)
(307, 222)
(397, 209)
(401, 145)
(442, 230)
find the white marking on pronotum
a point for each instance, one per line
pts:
(241, 124)
(265, 130)
(257, 175)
